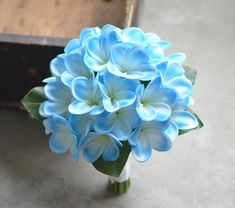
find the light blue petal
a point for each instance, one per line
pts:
(140, 92)
(135, 57)
(177, 57)
(79, 107)
(118, 54)
(57, 65)
(125, 98)
(117, 70)
(74, 152)
(173, 70)
(93, 152)
(142, 152)
(172, 131)
(154, 52)
(51, 108)
(56, 124)
(82, 88)
(163, 111)
(96, 110)
(158, 140)
(146, 112)
(104, 122)
(161, 95)
(121, 129)
(60, 142)
(94, 64)
(130, 115)
(94, 145)
(75, 65)
(123, 84)
(151, 38)
(110, 106)
(111, 152)
(134, 35)
(67, 78)
(109, 37)
(155, 125)
(94, 50)
(184, 120)
(80, 124)
(86, 33)
(71, 45)
(132, 139)
(152, 89)
(55, 90)
(182, 86)
(164, 44)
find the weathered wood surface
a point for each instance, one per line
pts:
(59, 18)
(38, 31)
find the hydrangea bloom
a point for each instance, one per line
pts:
(114, 85)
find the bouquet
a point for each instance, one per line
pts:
(114, 91)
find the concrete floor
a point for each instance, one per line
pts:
(198, 172)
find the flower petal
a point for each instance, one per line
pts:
(56, 124)
(158, 140)
(177, 57)
(71, 45)
(182, 86)
(184, 120)
(67, 78)
(146, 112)
(164, 44)
(121, 129)
(57, 65)
(51, 108)
(163, 111)
(60, 142)
(75, 65)
(143, 151)
(82, 88)
(133, 35)
(94, 64)
(78, 107)
(80, 124)
(94, 50)
(109, 37)
(172, 131)
(111, 151)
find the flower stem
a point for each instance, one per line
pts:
(121, 184)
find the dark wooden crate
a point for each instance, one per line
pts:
(33, 32)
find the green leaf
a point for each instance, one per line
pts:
(190, 73)
(114, 168)
(200, 124)
(32, 100)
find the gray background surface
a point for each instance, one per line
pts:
(200, 169)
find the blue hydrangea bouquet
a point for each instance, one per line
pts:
(113, 92)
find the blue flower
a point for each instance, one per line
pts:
(57, 65)
(98, 49)
(59, 98)
(149, 135)
(131, 62)
(81, 125)
(119, 123)
(118, 92)
(98, 144)
(75, 67)
(80, 42)
(88, 98)
(153, 103)
(173, 77)
(61, 139)
(180, 118)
